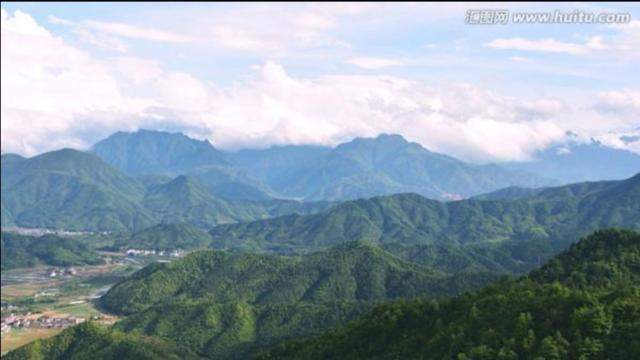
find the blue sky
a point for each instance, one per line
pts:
(255, 75)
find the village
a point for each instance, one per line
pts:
(30, 320)
(143, 252)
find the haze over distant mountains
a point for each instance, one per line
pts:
(362, 167)
(135, 180)
(575, 162)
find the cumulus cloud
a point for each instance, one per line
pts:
(625, 102)
(48, 86)
(55, 95)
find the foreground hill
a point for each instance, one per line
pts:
(92, 341)
(73, 190)
(512, 233)
(584, 304)
(27, 251)
(228, 304)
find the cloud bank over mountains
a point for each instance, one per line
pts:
(57, 93)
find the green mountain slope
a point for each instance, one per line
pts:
(585, 304)
(90, 341)
(354, 271)
(73, 190)
(514, 234)
(229, 304)
(185, 200)
(167, 237)
(26, 251)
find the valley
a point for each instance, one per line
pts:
(39, 302)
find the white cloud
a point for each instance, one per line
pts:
(49, 89)
(111, 35)
(621, 45)
(55, 95)
(21, 23)
(518, 59)
(135, 32)
(373, 63)
(544, 45)
(625, 102)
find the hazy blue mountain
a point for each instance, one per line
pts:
(389, 164)
(277, 164)
(577, 162)
(10, 158)
(151, 153)
(156, 152)
(363, 167)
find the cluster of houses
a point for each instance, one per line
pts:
(141, 252)
(62, 272)
(44, 321)
(40, 232)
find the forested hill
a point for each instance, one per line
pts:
(163, 237)
(524, 229)
(353, 271)
(92, 341)
(74, 190)
(584, 304)
(229, 304)
(25, 251)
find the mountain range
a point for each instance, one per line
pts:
(583, 303)
(578, 161)
(503, 233)
(363, 167)
(75, 190)
(130, 181)
(227, 304)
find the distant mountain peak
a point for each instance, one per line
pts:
(151, 151)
